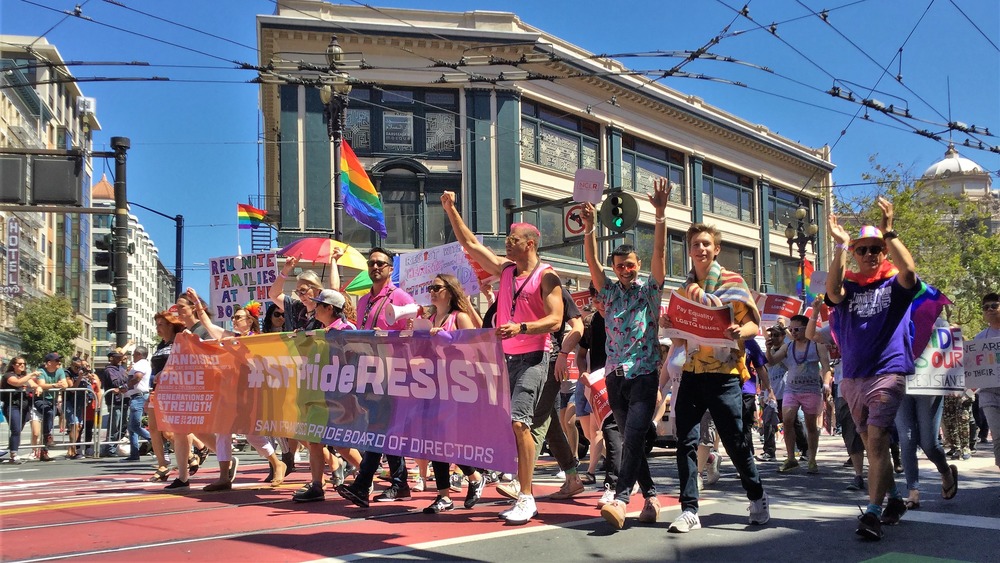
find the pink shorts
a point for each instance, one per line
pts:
(811, 403)
(874, 400)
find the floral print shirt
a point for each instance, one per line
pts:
(632, 322)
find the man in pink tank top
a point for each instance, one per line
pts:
(529, 307)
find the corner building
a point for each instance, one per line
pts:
(492, 108)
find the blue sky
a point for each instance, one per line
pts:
(195, 139)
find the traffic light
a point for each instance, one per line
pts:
(619, 212)
(112, 321)
(105, 257)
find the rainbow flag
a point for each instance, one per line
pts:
(802, 284)
(361, 201)
(924, 310)
(249, 217)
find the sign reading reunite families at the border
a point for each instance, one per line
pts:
(982, 363)
(236, 280)
(444, 397)
(417, 270)
(699, 323)
(939, 369)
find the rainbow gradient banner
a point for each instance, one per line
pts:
(444, 397)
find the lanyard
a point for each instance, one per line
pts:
(517, 290)
(368, 309)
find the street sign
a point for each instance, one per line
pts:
(572, 221)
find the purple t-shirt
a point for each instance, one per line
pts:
(872, 328)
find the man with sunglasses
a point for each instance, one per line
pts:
(529, 307)
(633, 352)
(989, 397)
(372, 308)
(871, 323)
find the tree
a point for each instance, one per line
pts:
(47, 325)
(949, 237)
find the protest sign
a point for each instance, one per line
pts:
(697, 323)
(773, 307)
(982, 363)
(939, 368)
(598, 394)
(417, 270)
(588, 185)
(443, 397)
(235, 280)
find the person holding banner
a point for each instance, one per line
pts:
(807, 385)
(871, 323)
(713, 376)
(989, 397)
(450, 310)
(374, 309)
(632, 369)
(528, 308)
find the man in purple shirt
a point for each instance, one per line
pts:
(372, 309)
(871, 323)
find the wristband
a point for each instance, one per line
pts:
(661, 219)
(591, 231)
(562, 352)
(282, 275)
(889, 235)
(843, 247)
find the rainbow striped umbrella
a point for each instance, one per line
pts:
(315, 249)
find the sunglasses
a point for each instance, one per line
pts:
(240, 317)
(277, 314)
(874, 249)
(435, 288)
(626, 267)
(991, 307)
(377, 263)
(796, 328)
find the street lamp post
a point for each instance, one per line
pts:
(803, 232)
(335, 98)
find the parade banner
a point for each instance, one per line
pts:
(982, 363)
(417, 270)
(773, 307)
(598, 394)
(939, 368)
(444, 397)
(235, 280)
(697, 323)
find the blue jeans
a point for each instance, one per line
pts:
(918, 422)
(135, 429)
(632, 402)
(722, 396)
(17, 415)
(47, 410)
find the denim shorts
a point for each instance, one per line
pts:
(527, 374)
(874, 400)
(580, 398)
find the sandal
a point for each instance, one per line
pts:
(911, 504)
(588, 478)
(948, 493)
(193, 465)
(160, 475)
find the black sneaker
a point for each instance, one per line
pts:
(894, 510)
(440, 504)
(310, 493)
(869, 527)
(765, 457)
(353, 495)
(857, 484)
(129, 459)
(474, 493)
(177, 484)
(394, 493)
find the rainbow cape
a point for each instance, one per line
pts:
(249, 217)
(361, 201)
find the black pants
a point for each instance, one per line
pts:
(633, 402)
(801, 441)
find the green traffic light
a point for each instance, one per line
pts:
(618, 222)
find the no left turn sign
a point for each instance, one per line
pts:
(572, 220)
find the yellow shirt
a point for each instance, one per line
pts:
(704, 359)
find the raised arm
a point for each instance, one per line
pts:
(659, 199)
(590, 247)
(835, 275)
(811, 331)
(482, 255)
(275, 293)
(215, 331)
(895, 249)
(335, 254)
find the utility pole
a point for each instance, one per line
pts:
(121, 145)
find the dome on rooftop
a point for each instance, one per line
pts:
(952, 164)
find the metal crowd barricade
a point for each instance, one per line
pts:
(113, 423)
(63, 398)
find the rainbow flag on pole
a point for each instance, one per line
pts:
(802, 284)
(249, 217)
(361, 201)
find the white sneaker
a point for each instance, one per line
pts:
(712, 471)
(607, 498)
(760, 512)
(701, 482)
(418, 485)
(524, 510)
(561, 474)
(686, 522)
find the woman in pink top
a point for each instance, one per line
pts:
(450, 310)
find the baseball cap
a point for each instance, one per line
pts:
(115, 352)
(331, 297)
(52, 357)
(868, 231)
